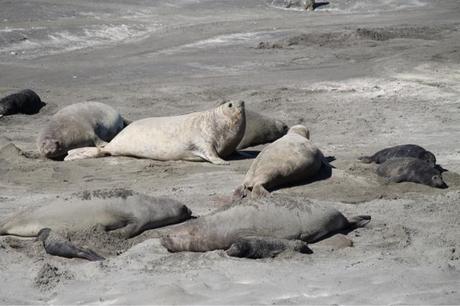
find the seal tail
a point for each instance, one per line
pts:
(359, 221)
(83, 153)
(365, 159)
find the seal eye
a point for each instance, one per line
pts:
(229, 104)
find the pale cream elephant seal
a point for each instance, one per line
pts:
(290, 159)
(79, 125)
(209, 135)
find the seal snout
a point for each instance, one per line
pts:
(51, 148)
(186, 212)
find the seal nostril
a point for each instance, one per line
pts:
(230, 105)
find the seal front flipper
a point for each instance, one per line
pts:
(83, 153)
(210, 154)
(263, 247)
(57, 245)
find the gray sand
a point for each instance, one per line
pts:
(361, 75)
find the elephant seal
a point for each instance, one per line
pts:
(126, 213)
(411, 169)
(261, 129)
(290, 159)
(79, 125)
(24, 102)
(260, 227)
(209, 135)
(308, 5)
(407, 150)
(57, 245)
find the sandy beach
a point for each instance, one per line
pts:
(362, 75)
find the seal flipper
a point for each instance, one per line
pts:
(259, 191)
(83, 153)
(57, 245)
(263, 247)
(358, 221)
(240, 192)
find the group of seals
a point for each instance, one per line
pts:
(209, 135)
(407, 163)
(290, 159)
(78, 125)
(256, 228)
(24, 102)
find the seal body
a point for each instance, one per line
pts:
(411, 170)
(275, 217)
(261, 129)
(308, 5)
(210, 135)
(290, 159)
(129, 214)
(407, 150)
(79, 125)
(25, 102)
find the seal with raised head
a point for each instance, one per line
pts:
(409, 169)
(79, 125)
(23, 102)
(262, 227)
(290, 159)
(126, 213)
(406, 150)
(261, 129)
(209, 135)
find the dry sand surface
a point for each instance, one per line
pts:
(361, 74)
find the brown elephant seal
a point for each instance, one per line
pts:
(261, 129)
(290, 159)
(308, 5)
(79, 125)
(411, 169)
(209, 135)
(260, 227)
(406, 150)
(127, 213)
(23, 102)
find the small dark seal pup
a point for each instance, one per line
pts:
(57, 245)
(23, 102)
(407, 150)
(411, 169)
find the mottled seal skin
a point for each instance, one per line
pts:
(24, 102)
(260, 228)
(406, 150)
(411, 170)
(79, 125)
(308, 5)
(261, 129)
(57, 245)
(127, 215)
(290, 159)
(202, 136)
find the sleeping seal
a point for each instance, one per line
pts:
(24, 102)
(260, 227)
(79, 125)
(290, 159)
(407, 150)
(411, 169)
(209, 135)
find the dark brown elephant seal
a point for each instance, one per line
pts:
(261, 227)
(24, 102)
(411, 170)
(201, 136)
(290, 159)
(79, 125)
(406, 150)
(261, 129)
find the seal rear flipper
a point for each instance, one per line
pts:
(263, 247)
(240, 193)
(358, 221)
(83, 153)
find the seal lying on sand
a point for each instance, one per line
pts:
(260, 228)
(411, 169)
(79, 125)
(290, 159)
(261, 129)
(407, 150)
(23, 102)
(125, 213)
(308, 5)
(210, 135)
